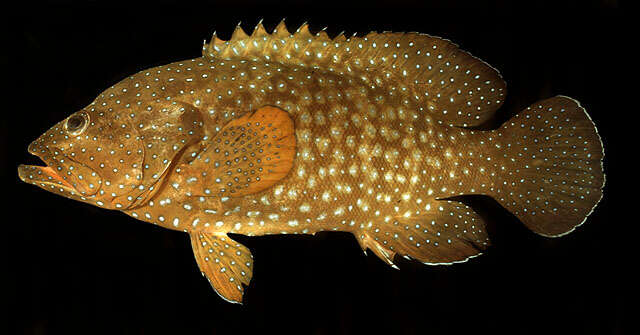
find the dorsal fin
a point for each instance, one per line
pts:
(238, 33)
(259, 31)
(281, 31)
(453, 86)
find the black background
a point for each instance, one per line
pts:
(74, 268)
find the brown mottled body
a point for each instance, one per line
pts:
(351, 144)
(299, 133)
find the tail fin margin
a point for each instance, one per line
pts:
(555, 155)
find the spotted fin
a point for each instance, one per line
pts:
(553, 154)
(227, 264)
(248, 155)
(453, 86)
(439, 232)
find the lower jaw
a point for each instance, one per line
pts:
(42, 174)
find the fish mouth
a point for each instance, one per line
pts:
(45, 176)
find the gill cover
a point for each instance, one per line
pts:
(165, 130)
(113, 157)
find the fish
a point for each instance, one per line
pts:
(298, 132)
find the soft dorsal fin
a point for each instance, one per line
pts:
(248, 155)
(448, 83)
(226, 263)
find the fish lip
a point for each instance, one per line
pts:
(44, 175)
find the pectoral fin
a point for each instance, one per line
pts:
(248, 155)
(226, 263)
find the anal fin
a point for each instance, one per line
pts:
(226, 263)
(386, 255)
(439, 232)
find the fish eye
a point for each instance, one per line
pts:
(76, 123)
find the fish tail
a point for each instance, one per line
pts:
(552, 164)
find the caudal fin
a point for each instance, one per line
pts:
(554, 155)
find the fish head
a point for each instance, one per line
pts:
(89, 157)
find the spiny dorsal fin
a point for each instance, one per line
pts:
(259, 31)
(281, 31)
(238, 33)
(451, 85)
(303, 31)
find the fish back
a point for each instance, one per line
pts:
(453, 86)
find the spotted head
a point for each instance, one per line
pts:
(89, 157)
(116, 152)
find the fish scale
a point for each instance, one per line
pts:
(298, 133)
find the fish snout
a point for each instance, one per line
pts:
(61, 174)
(24, 173)
(33, 147)
(46, 178)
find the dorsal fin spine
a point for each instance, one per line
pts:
(238, 33)
(300, 28)
(281, 30)
(303, 31)
(259, 30)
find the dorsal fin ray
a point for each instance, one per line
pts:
(449, 84)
